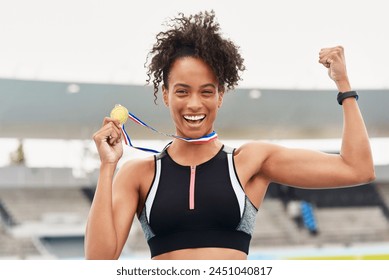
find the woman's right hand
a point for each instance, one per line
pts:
(108, 140)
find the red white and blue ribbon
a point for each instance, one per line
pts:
(202, 140)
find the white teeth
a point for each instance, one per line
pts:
(194, 118)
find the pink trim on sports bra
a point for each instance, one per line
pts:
(192, 187)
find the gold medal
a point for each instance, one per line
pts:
(119, 113)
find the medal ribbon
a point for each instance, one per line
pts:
(204, 139)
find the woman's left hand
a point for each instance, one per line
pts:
(334, 60)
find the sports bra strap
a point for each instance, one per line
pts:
(228, 149)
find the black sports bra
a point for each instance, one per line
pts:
(197, 206)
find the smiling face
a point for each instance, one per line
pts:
(192, 96)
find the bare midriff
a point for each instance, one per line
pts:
(203, 254)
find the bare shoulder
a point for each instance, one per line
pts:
(258, 148)
(138, 165)
(135, 173)
(252, 155)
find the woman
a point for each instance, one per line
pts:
(198, 201)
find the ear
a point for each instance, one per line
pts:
(165, 93)
(220, 100)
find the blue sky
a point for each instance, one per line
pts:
(107, 41)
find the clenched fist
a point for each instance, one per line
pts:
(334, 60)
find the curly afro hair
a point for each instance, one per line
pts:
(197, 36)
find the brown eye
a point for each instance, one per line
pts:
(181, 91)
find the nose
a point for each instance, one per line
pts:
(194, 102)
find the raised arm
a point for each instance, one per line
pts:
(115, 200)
(313, 169)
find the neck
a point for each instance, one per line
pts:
(201, 140)
(186, 153)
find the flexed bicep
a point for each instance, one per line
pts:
(308, 168)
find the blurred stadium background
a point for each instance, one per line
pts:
(49, 167)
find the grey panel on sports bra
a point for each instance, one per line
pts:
(145, 225)
(248, 219)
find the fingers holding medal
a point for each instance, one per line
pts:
(110, 131)
(118, 117)
(108, 138)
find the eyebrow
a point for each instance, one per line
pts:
(187, 86)
(208, 85)
(182, 85)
